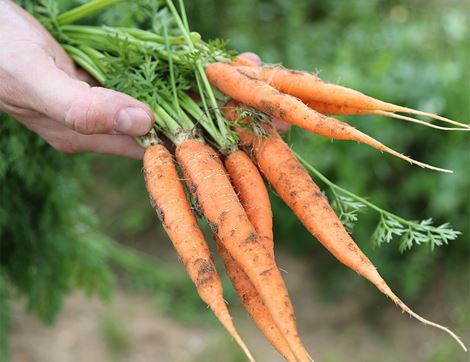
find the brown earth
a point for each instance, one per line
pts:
(129, 329)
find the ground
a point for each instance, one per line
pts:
(130, 329)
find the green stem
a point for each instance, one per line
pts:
(190, 106)
(227, 137)
(84, 10)
(85, 61)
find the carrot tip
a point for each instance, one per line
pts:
(388, 292)
(418, 121)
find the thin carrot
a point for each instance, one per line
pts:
(334, 109)
(244, 87)
(253, 195)
(296, 188)
(213, 192)
(168, 197)
(309, 87)
(254, 198)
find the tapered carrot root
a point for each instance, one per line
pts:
(243, 86)
(296, 188)
(254, 198)
(333, 109)
(168, 197)
(213, 192)
(253, 304)
(309, 87)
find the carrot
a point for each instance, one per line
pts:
(309, 87)
(253, 304)
(213, 192)
(296, 188)
(253, 195)
(168, 197)
(254, 198)
(240, 60)
(328, 108)
(334, 109)
(242, 86)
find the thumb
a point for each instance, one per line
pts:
(85, 109)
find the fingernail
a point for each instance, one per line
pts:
(133, 121)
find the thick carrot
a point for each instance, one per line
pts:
(244, 87)
(309, 87)
(296, 188)
(168, 197)
(254, 198)
(213, 192)
(334, 109)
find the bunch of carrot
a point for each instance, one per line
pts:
(214, 137)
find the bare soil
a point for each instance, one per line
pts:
(130, 329)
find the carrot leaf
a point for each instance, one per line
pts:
(390, 226)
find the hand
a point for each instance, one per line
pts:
(280, 125)
(41, 87)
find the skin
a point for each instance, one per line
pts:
(42, 88)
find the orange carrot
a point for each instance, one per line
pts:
(243, 86)
(296, 188)
(309, 87)
(213, 192)
(168, 197)
(252, 194)
(254, 198)
(334, 109)
(240, 60)
(253, 304)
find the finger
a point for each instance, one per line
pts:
(251, 56)
(118, 145)
(66, 140)
(85, 109)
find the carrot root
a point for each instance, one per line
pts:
(388, 292)
(169, 199)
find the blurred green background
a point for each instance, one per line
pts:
(74, 221)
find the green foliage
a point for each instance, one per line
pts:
(5, 319)
(47, 248)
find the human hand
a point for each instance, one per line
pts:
(41, 87)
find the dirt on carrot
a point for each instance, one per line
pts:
(169, 200)
(210, 186)
(296, 188)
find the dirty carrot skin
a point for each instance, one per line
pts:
(253, 195)
(253, 304)
(254, 198)
(241, 84)
(325, 107)
(310, 87)
(168, 197)
(296, 188)
(214, 194)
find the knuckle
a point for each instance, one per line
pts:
(87, 114)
